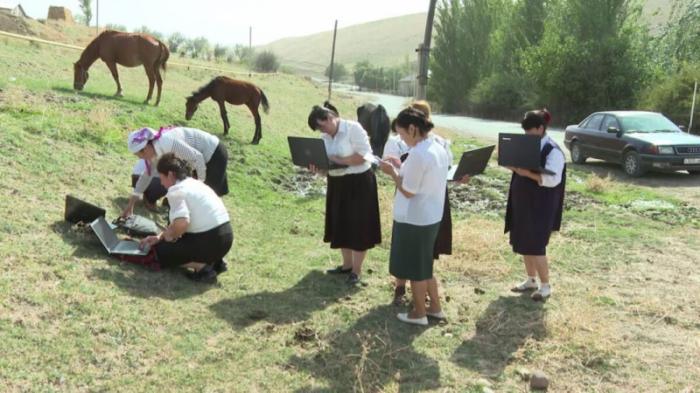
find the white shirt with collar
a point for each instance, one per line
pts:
(424, 174)
(189, 144)
(555, 163)
(350, 139)
(196, 202)
(395, 147)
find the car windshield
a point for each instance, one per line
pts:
(652, 122)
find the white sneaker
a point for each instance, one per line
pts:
(543, 293)
(403, 317)
(527, 285)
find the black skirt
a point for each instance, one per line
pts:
(216, 171)
(352, 212)
(205, 247)
(443, 243)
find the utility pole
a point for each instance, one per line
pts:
(424, 53)
(97, 17)
(330, 71)
(250, 37)
(692, 108)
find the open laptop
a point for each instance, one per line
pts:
(80, 211)
(307, 151)
(473, 162)
(520, 151)
(112, 243)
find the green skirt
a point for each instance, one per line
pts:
(412, 251)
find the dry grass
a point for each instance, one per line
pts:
(597, 184)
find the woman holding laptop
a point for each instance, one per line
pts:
(535, 204)
(352, 206)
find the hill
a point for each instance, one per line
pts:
(387, 42)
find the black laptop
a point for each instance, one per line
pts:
(520, 151)
(308, 151)
(472, 163)
(80, 211)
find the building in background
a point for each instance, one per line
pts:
(13, 9)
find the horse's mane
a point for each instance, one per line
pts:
(203, 89)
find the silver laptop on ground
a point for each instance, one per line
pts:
(112, 243)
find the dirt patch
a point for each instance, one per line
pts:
(13, 24)
(677, 215)
(305, 334)
(486, 194)
(302, 183)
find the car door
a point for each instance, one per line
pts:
(590, 136)
(611, 144)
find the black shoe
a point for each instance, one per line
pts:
(205, 275)
(339, 270)
(220, 267)
(353, 279)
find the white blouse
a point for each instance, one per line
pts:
(350, 139)
(394, 147)
(198, 204)
(424, 174)
(189, 144)
(555, 163)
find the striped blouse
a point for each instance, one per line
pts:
(189, 144)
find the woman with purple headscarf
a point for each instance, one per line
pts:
(202, 151)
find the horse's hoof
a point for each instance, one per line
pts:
(255, 142)
(119, 94)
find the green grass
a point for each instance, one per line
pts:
(623, 318)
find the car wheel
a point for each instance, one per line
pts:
(631, 164)
(694, 172)
(577, 156)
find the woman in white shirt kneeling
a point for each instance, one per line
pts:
(200, 233)
(418, 206)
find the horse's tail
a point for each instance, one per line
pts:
(265, 104)
(164, 55)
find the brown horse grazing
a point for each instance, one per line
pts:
(127, 49)
(223, 89)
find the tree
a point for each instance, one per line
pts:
(590, 58)
(220, 51)
(147, 30)
(199, 47)
(339, 72)
(117, 27)
(244, 53)
(86, 8)
(266, 62)
(461, 54)
(176, 41)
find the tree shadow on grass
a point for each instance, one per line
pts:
(135, 279)
(313, 292)
(374, 352)
(502, 330)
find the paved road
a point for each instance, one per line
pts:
(470, 126)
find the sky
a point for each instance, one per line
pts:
(227, 22)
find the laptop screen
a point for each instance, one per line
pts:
(105, 233)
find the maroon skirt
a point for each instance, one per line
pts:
(352, 212)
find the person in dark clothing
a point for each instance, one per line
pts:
(535, 205)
